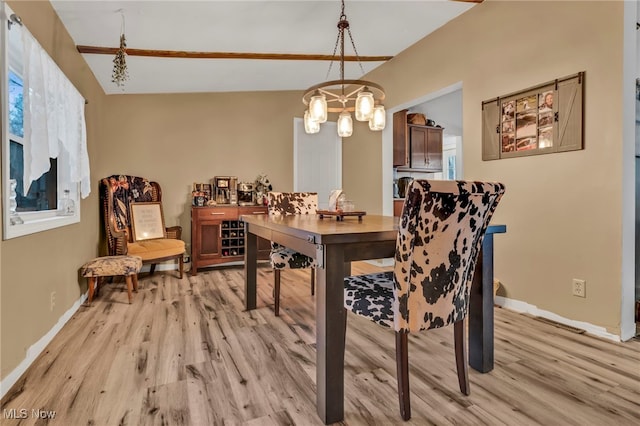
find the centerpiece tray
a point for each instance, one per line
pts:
(339, 214)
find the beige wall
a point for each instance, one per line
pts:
(33, 266)
(179, 139)
(563, 211)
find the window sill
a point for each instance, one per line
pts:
(33, 225)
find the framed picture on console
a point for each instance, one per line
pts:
(147, 221)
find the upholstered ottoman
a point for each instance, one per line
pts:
(107, 266)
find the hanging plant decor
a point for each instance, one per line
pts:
(120, 74)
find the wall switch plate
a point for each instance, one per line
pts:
(579, 288)
(53, 300)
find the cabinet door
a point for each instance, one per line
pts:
(434, 150)
(426, 148)
(208, 239)
(400, 139)
(418, 138)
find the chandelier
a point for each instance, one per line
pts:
(344, 96)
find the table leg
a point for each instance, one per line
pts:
(481, 310)
(330, 334)
(250, 268)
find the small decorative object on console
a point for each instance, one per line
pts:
(201, 194)
(262, 186)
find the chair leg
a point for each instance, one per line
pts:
(99, 283)
(152, 269)
(92, 287)
(276, 291)
(181, 265)
(402, 361)
(461, 356)
(313, 281)
(129, 287)
(134, 278)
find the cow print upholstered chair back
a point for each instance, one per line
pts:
(439, 239)
(286, 204)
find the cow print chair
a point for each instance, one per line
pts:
(284, 204)
(439, 238)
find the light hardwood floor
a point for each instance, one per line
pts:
(185, 353)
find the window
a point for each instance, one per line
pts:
(45, 161)
(42, 194)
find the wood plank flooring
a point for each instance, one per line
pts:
(185, 353)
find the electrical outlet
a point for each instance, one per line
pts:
(579, 288)
(53, 300)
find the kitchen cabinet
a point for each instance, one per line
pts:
(416, 147)
(426, 148)
(400, 139)
(398, 203)
(217, 235)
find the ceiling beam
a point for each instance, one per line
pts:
(227, 55)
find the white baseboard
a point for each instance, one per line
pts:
(523, 307)
(37, 348)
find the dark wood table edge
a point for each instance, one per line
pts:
(481, 348)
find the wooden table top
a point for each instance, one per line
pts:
(328, 231)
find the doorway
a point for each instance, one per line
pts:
(317, 161)
(445, 108)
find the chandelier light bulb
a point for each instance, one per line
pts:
(318, 107)
(364, 105)
(378, 118)
(310, 126)
(345, 124)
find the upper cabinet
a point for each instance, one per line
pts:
(400, 139)
(415, 147)
(426, 148)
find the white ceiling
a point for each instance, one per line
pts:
(378, 28)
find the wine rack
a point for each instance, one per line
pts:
(232, 238)
(218, 235)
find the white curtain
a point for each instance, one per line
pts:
(53, 118)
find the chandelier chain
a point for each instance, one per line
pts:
(343, 24)
(335, 48)
(353, 44)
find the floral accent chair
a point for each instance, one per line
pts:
(439, 238)
(284, 204)
(117, 192)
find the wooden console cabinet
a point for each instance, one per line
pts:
(217, 235)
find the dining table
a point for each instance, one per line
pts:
(334, 244)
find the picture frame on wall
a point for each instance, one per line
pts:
(542, 119)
